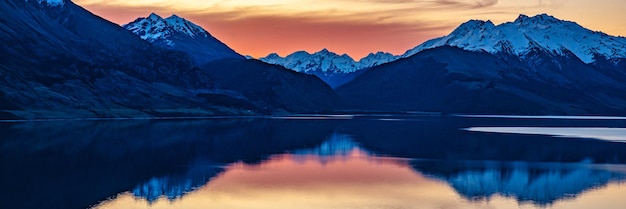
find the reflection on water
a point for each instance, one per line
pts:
(539, 184)
(353, 179)
(336, 145)
(610, 134)
(360, 162)
(547, 117)
(173, 187)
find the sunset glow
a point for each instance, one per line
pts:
(355, 27)
(353, 181)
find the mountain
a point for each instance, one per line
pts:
(542, 31)
(520, 77)
(272, 87)
(332, 68)
(61, 61)
(179, 34)
(525, 182)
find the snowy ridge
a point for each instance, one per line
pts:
(327, 62)
(154, 28)
(518, 37)
(179, 34)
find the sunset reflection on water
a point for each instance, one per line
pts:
(349, 179)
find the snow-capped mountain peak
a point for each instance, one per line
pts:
(327, 61)
(322, 61)
(154, 17)
(184, 26)
(332, 68)
(518, 37)
(541, 18)
(155, 28)
(373, 59)
(179, 34)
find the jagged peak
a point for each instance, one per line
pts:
(530, 33)
(477, 23)
(273, 55)
(176, 20)
(301, 52)
(537, 18)
(325, 51)
(174, 16)
(327, 61)
(521, 18)
(473, 25)
(377, 55)
(154, 16)
(172, 23)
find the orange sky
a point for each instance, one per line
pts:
(355, 27)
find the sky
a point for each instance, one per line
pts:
(354, 27)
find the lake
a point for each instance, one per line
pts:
(316, 161)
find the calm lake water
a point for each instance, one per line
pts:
(356, 162)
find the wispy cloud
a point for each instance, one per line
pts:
(258, 27)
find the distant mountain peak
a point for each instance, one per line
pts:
(327, 61)
(521, 18)
(181, 34)
(526, 33)
(154, 28)
(154, 16)
(184, 26)
(472, 25)
(273, 55)
(537, 18)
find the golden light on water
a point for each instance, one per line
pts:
(332, 182)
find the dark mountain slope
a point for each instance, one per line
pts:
(449, 79)
(272, 86)
(60, 61)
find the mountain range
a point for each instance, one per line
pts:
(61, 61)
(516, 38)
(534, 65)
(332, 68)
(519, 37)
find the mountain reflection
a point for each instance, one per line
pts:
(336, 145)
(539, 184)
(535, 183)
(363, 162)
(199, 173)
(175, 186)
